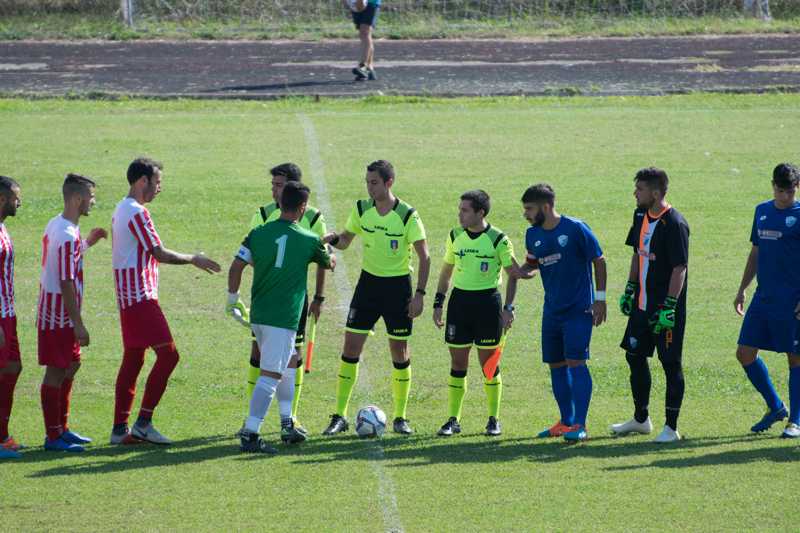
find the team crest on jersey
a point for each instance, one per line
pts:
(394, 244)
(763, 218)
(484, 266)
(791, 221)
(563, 240)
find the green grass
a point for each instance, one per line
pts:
(391, 26)
(719, 151)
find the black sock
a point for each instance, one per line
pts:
(120, 429)
(675, 388)
(640, 385)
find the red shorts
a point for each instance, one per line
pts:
(144, 325)
(10, 350)
(58, 347)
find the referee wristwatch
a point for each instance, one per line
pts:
(509, 307)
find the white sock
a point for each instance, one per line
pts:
(259, 403)
(285, 393)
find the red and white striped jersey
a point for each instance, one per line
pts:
(62, 260)
(133, 237)
(6, 273)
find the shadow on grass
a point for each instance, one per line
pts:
(425, 450)
(420, 451)
(109, 459)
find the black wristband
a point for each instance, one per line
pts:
(335, 240)
(318, 298)
(438, 300)
(421, 291)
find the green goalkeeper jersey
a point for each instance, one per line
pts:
(280, 253)
(478, 258)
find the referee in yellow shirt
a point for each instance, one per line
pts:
(476, 254)
(389, 228)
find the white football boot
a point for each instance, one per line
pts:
(667, 435)
(792, 431)
(149, 434)
(632, 426)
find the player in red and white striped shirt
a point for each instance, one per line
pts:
(137, 251)
(59, 322)
(10, 364)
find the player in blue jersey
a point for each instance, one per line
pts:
(563, 249)
(772, 321)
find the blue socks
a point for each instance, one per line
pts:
(562, 390)
(581, 392)
(794, 395)
(758, 375)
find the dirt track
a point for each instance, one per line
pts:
(274, 69)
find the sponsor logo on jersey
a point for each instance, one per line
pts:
(484, 266)
(791, 221)
(563, 240)
(769, 235)
(550, 260)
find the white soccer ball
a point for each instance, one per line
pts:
(370, 422)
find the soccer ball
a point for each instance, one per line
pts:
(370, 422)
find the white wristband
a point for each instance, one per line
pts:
(600, 296)
(233, 297)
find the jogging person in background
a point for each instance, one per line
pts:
(365, 16)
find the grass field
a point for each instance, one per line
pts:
(391, 26)
(719, 151)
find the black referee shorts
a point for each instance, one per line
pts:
(474, 317)
(377, 297)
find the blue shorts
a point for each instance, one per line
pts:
(766, 329)
(566, 337)
(369, 16)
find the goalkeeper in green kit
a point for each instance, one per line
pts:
(280, 253)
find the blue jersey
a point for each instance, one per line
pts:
(564, 255)
(776, 232)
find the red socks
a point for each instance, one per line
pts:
(66, 396)
(166, 361)
(7, 384)
(51, 408)
(132, 361)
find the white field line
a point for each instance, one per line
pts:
(386, 491)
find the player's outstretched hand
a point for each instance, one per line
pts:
(333, 262)
(328, 237)
(437, 317)
(523, 273)
(206, 264)
(95, 235)
(81, 335)
(415, 306)
(738, 303)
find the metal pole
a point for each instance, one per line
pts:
(127, 12)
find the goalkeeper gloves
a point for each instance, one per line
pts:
(626, 300)
(664, 318)
(237, 309)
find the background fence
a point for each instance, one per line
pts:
(309, 10)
